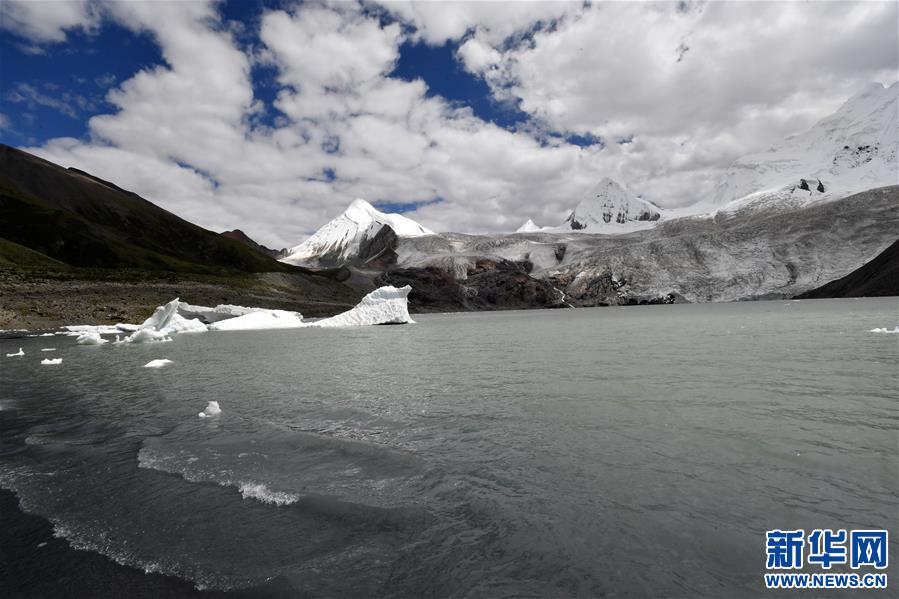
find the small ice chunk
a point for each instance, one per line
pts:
(48, 349)
(79, 329)
(18, 353)
(157, 363)
(212, 409)
(881, 330)
(148, 335)
(49, 361)
(90, 338)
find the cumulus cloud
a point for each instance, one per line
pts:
(47, 21)
(696, 85)
(189, 133)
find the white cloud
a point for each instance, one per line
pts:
(46, 21)
(437, 22)
(187, 134)
(697, 85)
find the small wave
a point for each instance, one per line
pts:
(260, 492)
(885, 330)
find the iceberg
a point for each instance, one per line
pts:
(212, 409)
(263, 319)
(48, 349)
(18, 353)
(50, 361)
(385, 305)
(879, 330)
(164, 322)
(90, 338)
(157, 363)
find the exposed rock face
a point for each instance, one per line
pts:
(489, 285)
(378, 251)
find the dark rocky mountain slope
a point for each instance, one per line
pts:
(877, 278)
(80, 220)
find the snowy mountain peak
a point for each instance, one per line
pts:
(608, 205)
(341, 238)
(609, 208)
(528, 227)
(852, 150)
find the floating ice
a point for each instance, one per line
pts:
(48, 349)
(212, 409)
(385, 305)
(145, 336)
(263, 319)
(49, 361)
(883, 330)
(102, 329)
(90, 338)
(18, 353)
(157, 363)
(220, 312)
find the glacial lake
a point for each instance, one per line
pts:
(637, 451)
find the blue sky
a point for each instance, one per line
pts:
(470, 116)
(52, 93)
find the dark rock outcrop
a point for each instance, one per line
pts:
(490, 285)
(877, 278)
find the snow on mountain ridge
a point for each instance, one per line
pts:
(849, 151)
(341, 237)
(609, 209)
(610, 202)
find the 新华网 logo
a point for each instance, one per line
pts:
(823, 549)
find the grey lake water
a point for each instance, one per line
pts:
(639, 451)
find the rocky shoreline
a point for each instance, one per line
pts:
(47, 300)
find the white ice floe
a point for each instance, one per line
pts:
(212, 409)
(885, 330)
(50, 361)
(157, 363)
(17, 354)
(262, 319)
(385, 305)
(90, 338)
(48, 349)
(76, 330)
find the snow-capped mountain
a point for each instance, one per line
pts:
(850, 151)
(341, 238)
(528, 227)
(608, 209)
